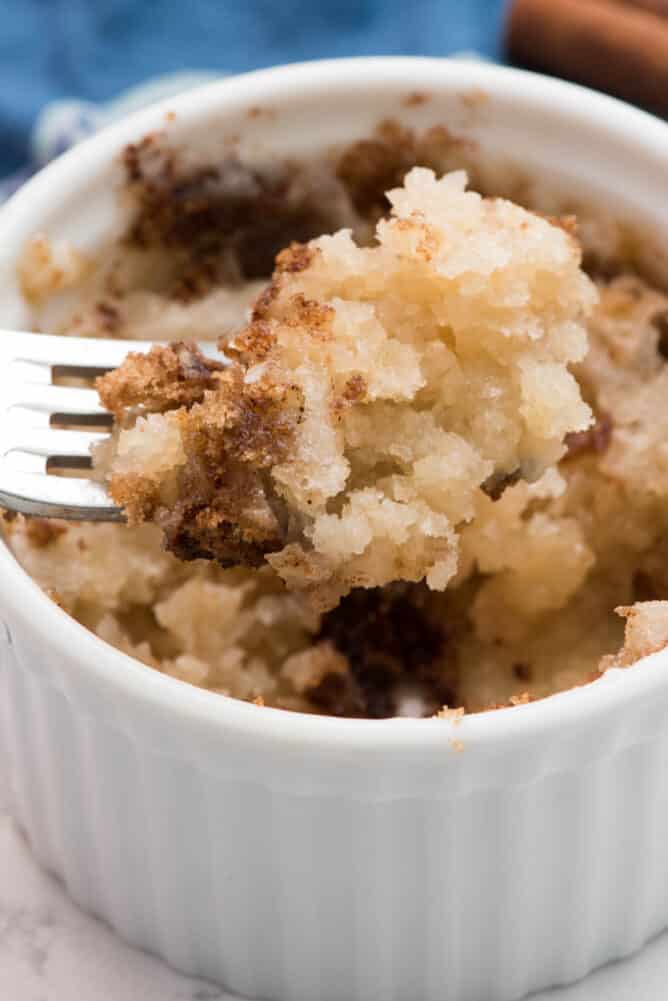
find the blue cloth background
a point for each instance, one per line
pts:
(95, 49)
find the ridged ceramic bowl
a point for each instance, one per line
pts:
(304, 858)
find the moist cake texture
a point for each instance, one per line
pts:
(542, 564)
(376, 394)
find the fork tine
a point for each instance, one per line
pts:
(77, 352)
(28, 400)
(53, 442)
(55, 399)
(58, 497)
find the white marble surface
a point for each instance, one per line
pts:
(50, 951)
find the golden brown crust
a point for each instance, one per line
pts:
(263, 303)
(355, 389)
(255, 341)
(225, 507)
(167, 377)
(138, 495)
(295, 258)
(303, 312)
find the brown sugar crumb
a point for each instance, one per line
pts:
(354, 391)
(389, 640)
(337, 695)
(416, 99)
(520, 700)
(255, 342)
(200, 470)
(317, 316)
(355, 388)
(228, 510)
(643, 587)
(169, 376)
(297, 257)
(495, 484)
(456, 745)
(660, 322)
(135, 156)
(455, 716)
(371, 167)
(43, 532)
(595, 439)
(139, 496)
(258, 701)
(109, 317)
(321, 673)
(522, 671)
(229, 219)
(263, 303)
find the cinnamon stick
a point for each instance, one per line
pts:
(619, 47)
(659, 7)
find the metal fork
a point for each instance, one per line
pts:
(44, 426)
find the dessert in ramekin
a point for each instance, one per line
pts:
(292, 855)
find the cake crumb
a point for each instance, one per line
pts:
(455, 716)
(646, 632)
(48, 266)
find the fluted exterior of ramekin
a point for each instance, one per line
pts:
(472, 894)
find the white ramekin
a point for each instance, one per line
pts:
(297, 857)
